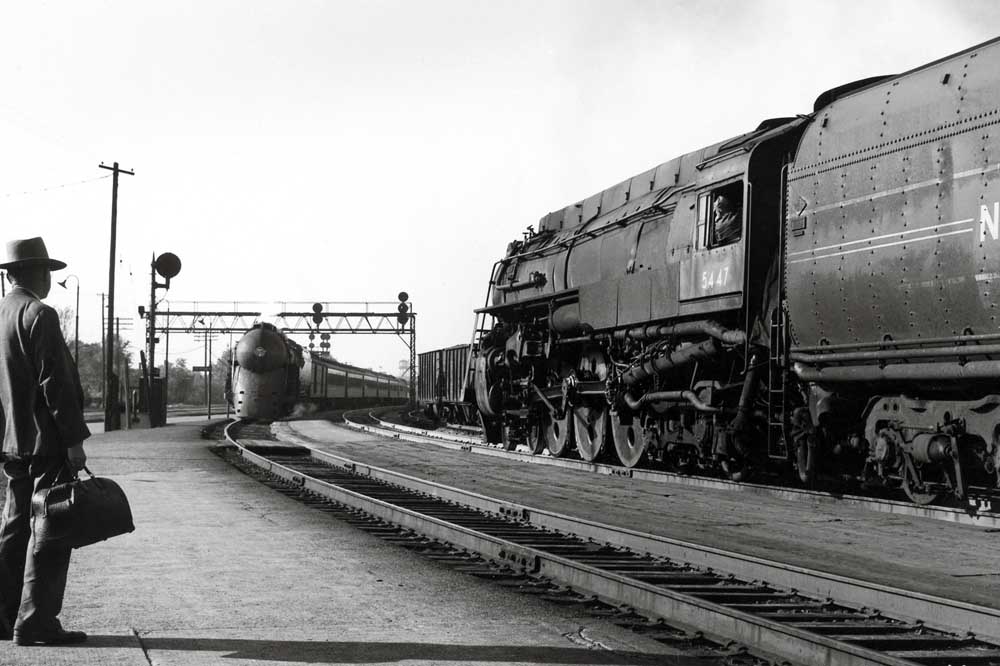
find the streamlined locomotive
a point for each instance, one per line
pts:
(819, 295)
(272, 375)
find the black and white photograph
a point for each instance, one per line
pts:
(458, 332)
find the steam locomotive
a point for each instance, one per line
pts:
(272, 376)
(819, 295)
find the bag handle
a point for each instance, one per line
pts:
(76, 473)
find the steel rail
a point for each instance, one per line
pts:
(984, 519)
(762, 634)
(958, 616)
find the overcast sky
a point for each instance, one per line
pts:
(300, 151)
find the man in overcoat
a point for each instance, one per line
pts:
(41, 410)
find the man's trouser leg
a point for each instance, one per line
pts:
(15, 532)
(44, 573)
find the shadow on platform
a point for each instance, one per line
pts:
(357, 652)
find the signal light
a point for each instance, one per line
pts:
(168, 265)
(403, 308)
(317, 317)
(317, 307)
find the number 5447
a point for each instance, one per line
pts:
(713, 278)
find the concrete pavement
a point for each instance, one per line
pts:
(223, 570)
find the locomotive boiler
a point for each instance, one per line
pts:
(272, 375)
(817, 296)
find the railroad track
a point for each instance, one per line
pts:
(368, 421)
(778, 612)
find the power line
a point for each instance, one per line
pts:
(52, 188)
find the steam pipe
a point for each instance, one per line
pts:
(705, 327)
(683, 356)
(657, 396)
(748, 384)
(534, 280)
(890, 354)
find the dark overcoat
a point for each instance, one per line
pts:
(41, 400)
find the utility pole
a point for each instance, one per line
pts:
(126, 385)
(104, 356)
(413, 361)
(118, 368)
(229, 377)
(111, 417)
(208, 384)
(166, 371)
(150, 386)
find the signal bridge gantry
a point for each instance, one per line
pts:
(365, 317)
(323, 318)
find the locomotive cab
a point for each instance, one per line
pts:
(716, 265)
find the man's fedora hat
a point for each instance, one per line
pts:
(30, 252)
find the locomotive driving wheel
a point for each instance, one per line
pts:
(914, 486)
(630, 445)
(558, 434)
(536, 436)
(590, 423)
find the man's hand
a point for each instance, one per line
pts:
(76, 456)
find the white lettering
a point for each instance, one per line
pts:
(986, 221)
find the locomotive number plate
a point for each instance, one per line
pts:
(712, 273)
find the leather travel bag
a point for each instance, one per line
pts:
(79, 513)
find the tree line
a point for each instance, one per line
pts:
(184, 386)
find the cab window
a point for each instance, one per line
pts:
(720, 216)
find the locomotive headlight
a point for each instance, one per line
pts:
(260, 352)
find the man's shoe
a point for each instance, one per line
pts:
(60, 637)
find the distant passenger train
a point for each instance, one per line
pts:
(272, 374)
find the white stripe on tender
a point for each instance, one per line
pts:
(900, 190)
(875, 238)
(876, 247)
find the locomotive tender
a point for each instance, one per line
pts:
(272, 374)
(819, 295)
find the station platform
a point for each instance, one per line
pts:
(223, 570)
(960, 562)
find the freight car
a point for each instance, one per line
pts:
(441, 385)
(272, 375)
(819, 297)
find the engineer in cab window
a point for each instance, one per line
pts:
(728, 225)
